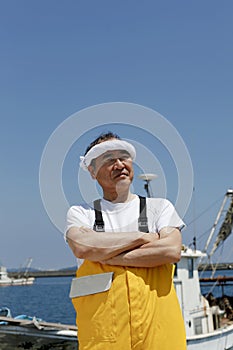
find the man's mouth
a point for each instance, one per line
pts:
(120, 174)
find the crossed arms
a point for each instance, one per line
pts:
(135, 249)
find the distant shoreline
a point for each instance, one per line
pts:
(70, 272)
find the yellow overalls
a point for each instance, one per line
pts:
(139, 312)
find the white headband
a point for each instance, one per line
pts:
(103, 147)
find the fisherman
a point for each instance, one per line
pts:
(126, 245)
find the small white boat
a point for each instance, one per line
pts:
(24, 332)
(5, 280)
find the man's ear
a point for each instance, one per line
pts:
(92, 171)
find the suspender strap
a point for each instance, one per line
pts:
(99, 222)
(142, 220)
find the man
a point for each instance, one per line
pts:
(123, 294)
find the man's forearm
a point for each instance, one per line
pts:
(89, 244)
(156, 253)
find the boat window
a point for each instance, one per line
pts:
(198, 325)
(190, 267)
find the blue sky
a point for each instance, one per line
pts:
(58, 57)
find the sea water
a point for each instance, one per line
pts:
(48, 298)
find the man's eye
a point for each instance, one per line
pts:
(109, 160)
(124, 157)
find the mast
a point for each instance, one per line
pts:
(215, 223)
(229, 194)
(227, 225)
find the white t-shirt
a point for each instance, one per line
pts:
(123, 217)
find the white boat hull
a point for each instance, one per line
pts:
(221, 339)
(30, 333)
(5, 280)
(17, 282)
(15, 337)
(207, 327)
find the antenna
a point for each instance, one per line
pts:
(147, 178)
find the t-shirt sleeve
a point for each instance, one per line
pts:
(77, 216)
(169, 217)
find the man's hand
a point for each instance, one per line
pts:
(157, 252)
(95, 246)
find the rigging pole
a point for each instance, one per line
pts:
(227, 225)
(229, 194)
(215, 223)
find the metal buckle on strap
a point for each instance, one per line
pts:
(143, 224)
(99, 227)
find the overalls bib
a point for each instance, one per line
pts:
(137, 309)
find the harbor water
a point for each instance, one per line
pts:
(48, 298)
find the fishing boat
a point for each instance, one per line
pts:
(5, 280)
(207, 326)
(24, 332)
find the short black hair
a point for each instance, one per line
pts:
(102, 137)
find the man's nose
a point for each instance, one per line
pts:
(118, 164)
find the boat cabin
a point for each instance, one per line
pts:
(199, 317)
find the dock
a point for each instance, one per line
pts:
(44, 273)
(219, 281)
(70, 271)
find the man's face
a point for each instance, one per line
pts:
(113, 169)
